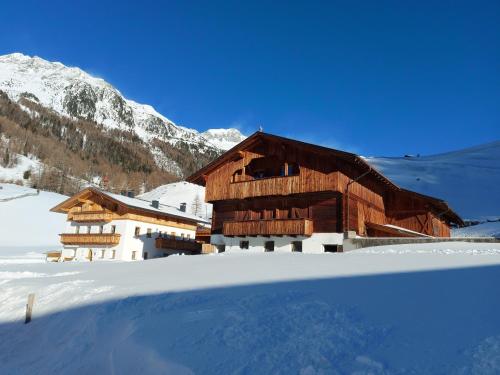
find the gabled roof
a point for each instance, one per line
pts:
(162, 210)
(197, 177)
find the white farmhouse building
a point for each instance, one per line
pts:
(102, 225)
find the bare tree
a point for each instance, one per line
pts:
(196, 206)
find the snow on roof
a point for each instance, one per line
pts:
(401, 229)
(147, 205)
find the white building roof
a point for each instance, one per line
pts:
(147, 205)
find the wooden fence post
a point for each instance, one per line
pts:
(29, 307)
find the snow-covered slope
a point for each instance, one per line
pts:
(21, 165)
(25, 219)
(181, 192)
(488, 229)
(421, 309)
(72, 92)
(469, 179)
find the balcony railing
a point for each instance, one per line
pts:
(90, 238)
(177, 244)
(92, 216)
(271, 186)
(272, 227)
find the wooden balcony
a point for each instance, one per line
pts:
(273, 227)
(177, 244)
(270, 186)
(92, 216)
(90, 238)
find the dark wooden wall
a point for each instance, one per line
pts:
(255, 185)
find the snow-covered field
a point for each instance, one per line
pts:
(25, 219)
(419, 309)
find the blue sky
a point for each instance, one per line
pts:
(374, 77)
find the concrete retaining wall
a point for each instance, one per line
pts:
(360, 242)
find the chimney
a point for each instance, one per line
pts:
(183, 207)
(155, 204)
(130, 194)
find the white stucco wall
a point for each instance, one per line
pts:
(128, 241)
(312, 244)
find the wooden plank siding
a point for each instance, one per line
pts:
(273, 227)
(324, 210)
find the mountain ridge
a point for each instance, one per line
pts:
(73, 92)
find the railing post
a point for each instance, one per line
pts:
(29, 307)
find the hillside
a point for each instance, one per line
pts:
(72, 123)
(25, 217)
(467, 179)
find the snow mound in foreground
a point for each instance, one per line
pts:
(418, 312)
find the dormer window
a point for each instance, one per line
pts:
(266, 167)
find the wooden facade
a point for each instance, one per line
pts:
(270, 185)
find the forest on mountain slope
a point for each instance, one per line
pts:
(73, 152)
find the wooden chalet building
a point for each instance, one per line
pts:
(101, 225)
(273, 193)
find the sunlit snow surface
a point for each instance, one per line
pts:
(25, 219)
(405, 309)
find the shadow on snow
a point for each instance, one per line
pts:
(445, 321)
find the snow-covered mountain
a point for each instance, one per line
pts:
(468, 179)
(224, 139)
(72, 92)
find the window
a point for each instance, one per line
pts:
(102, 253)
(113, 229)
(221, 248)
(293, 169)
(133, 254)
(101, 229)
(173, 235)
(113, 253)
(77, 229)
(88, 229)
(188, 236)
(145, 255)
(269, 246)
(182, 236)
(297, 246)
(244, 245)
(332, 248)
(137, 231)
(148, 234)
